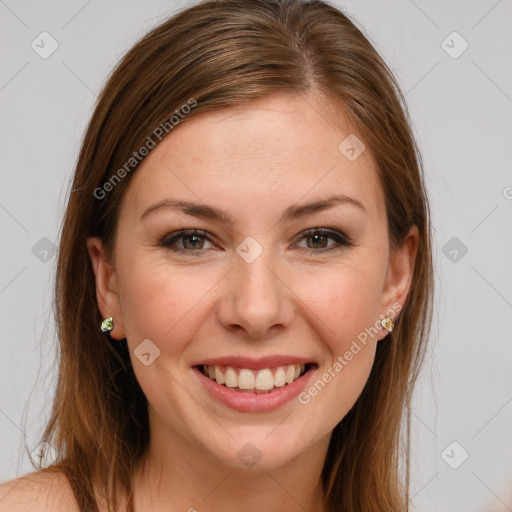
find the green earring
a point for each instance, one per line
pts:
(107, 325)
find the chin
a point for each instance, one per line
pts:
(257, 449)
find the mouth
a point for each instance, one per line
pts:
(259, 381)
(255, 386)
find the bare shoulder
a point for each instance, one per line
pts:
(37, 492)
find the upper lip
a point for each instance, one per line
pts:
(251, 363)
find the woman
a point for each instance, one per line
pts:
(244, 282)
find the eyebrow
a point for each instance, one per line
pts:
(291, 213)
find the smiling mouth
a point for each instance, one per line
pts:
(246, 380)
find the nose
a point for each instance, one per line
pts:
(256, 299)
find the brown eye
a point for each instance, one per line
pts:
(317, 240)
(193, 242)
(186, 241)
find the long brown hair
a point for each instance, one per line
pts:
(225, 53)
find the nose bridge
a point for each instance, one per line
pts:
(256, 279)
(255, 298)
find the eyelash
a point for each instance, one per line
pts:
(340, 238)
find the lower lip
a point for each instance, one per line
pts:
(255, 402)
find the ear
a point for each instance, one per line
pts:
(399, 276)
(106, 287)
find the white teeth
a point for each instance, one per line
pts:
(231, 378)
(258, 380)
(279, 378)
(264, 380)
(246, 379)
(218, 375)
(290, 374)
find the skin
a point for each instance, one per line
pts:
(252, 162)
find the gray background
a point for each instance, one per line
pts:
(461, 105)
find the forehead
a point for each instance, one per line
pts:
(270, 153)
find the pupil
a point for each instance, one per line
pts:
(195, 238)
(316, 237)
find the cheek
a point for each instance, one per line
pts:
(160, 304)
(346, 308)
(167, 307)
(344, 300)
(345, 303)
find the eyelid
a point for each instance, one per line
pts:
(325, 231)
(170, 238)
(340, 238)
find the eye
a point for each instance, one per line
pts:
(319, 237)
(191, 240)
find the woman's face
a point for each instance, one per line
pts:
(255, 293)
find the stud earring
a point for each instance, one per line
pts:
(107, 325)
(387, 324)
